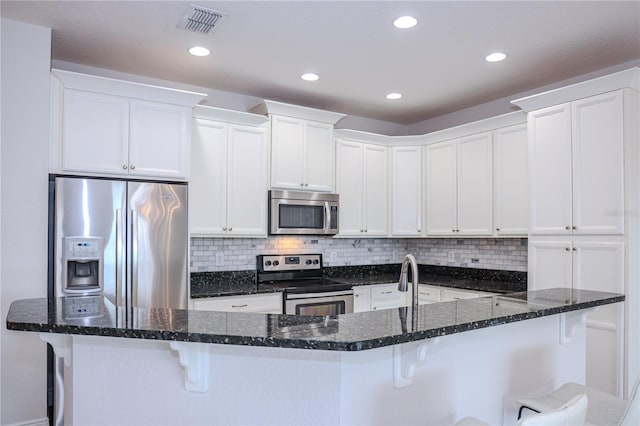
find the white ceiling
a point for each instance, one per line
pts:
(262, 48)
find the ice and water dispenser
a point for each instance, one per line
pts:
(83, 266)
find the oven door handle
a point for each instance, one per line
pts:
(292, 296)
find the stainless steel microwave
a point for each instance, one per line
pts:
(303, 213)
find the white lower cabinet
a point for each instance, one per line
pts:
(428, 294)
(387, 296)
(261, 303)
(361, 299)
(588, 264)
(449, 295)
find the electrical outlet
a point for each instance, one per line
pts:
(395, 254)
(219, 259)
(332, 256)
(451, 256)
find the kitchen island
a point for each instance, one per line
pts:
(430, 364)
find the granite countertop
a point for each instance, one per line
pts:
(236, 283)
(347, 332)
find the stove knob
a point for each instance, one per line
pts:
(315, 262)
(267, 263)
(276, 263)
(309, 261)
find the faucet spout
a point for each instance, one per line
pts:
(403, 283)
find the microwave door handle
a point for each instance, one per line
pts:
(327, 217)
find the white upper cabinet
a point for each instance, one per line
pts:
(103, 126)
(228, 188)
(95, 133)
(577, 167)
(598, 164)
(362, 182)
(158, 139)
(302, 146)
(441, 188)
(511, 181)
(302, 154)
(459, 186)
(406, 190)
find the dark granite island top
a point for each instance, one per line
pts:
(348, 332)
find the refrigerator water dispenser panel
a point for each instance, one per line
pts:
(83, 265)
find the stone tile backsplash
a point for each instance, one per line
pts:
(239, 254)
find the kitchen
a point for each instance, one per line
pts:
(33, 184)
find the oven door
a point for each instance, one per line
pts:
(323, 304)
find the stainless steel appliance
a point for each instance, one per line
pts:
(305, 290)
(303, 213)
(126, 240)
(82, 266)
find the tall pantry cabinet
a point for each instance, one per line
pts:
(583, 153)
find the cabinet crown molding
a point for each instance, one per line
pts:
(629, 78)
(128, 89)
(229, 116)
(279, 108)
(475, 127)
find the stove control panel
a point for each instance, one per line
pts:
(297, 262)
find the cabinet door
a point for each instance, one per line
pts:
(511, 188)
(208, 185)
(376, 190)
(95, 133)
(158, 141)
(600, 266)
(318, 157)
(406, 191)
(361, 299)
(550, 264)
(349, 185)
(287, 152)
(475, 185)
(598, 165)
(247, 181)
(441, 192)
(550, 168)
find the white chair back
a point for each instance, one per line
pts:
(573, 413)
(632, 412)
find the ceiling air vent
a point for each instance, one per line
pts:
(200, 19)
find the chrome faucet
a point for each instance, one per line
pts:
(403, 284)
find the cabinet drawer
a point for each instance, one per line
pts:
(428, 294)
(387, 296)
(262, 303)
(448, 295)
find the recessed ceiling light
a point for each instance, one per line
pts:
(405, 22)
(495, 57)
(199, 51)
(393, 96)
(309, 76)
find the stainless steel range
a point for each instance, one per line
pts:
(305, 290)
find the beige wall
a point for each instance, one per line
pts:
(26, 52)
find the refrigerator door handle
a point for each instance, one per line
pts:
(134, 258)
(120, 296)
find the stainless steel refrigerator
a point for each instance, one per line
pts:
(134, 231)
(124, 239)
